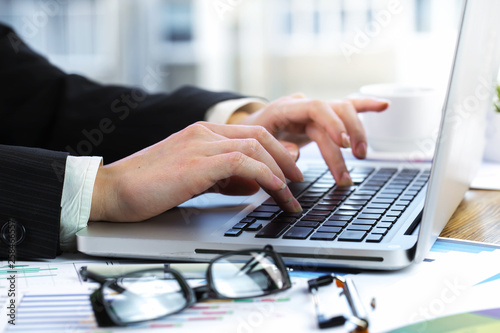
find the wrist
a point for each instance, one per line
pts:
(100, 194)
(239, 116)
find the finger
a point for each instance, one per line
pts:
(292, 148)
(250, 147)
(278, 152)
(331, 154)
(305, 110)
(298, 95)
(238, 164)
(235, 185)
(349, 115)
(363, 104)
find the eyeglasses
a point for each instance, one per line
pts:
(154, 293)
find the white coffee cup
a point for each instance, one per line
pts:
(409, 125)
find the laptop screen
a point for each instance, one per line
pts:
(470, 95)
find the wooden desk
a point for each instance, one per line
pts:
(477, 218)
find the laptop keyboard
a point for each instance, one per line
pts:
(365, 211)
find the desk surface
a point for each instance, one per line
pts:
(477, 218)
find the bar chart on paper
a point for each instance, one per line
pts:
(73, 312)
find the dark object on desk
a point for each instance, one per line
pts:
(155, 293)
(358, 317)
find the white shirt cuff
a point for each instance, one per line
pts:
(220, 112)
(79, 179)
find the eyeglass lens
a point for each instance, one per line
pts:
(246, 275)
(144, 296)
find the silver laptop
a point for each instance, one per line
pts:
(387, 220)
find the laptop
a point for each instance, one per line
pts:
(390, 217)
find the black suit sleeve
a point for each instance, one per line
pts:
(41, 106)
(31, 183)
(45, 109)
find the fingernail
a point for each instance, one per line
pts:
(361, 150)
(292, 149)
(345, 180)
(279, 182)
(346, 143)
(296, 206)
(292, 205)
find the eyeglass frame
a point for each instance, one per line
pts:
(208, 291)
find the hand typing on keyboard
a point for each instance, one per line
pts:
(332, 124)
(233, 159)
(204, 157)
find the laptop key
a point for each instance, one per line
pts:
(379, 200)
(386, 225)
(366, 193)
(381, 231)
(298, 233)
(346, 212)
(318, 212)
(336, 217)
(297, 188)
(335, 224)
(289, 220)
(355, 202)
(369, 216)
(374, 238)
(314, 218)
(328, 236)
(306, 205)
(254, 226)
(325, 207)
(364, 227)
(330, 229)
(233, 232)
(267, 208)
(398, 208)
(310, 224)
(326, 201)
(272, 230)
(352, 236)
(373, 211)
(240, 225)
(247, 220)
(360, 197)
(393, 213)
(304, 200)
(262, 215)
(383, 206)
(351, 207)
(365, 221)
(384, 195)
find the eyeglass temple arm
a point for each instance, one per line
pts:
(86, 274)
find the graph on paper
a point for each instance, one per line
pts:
(73, 312)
